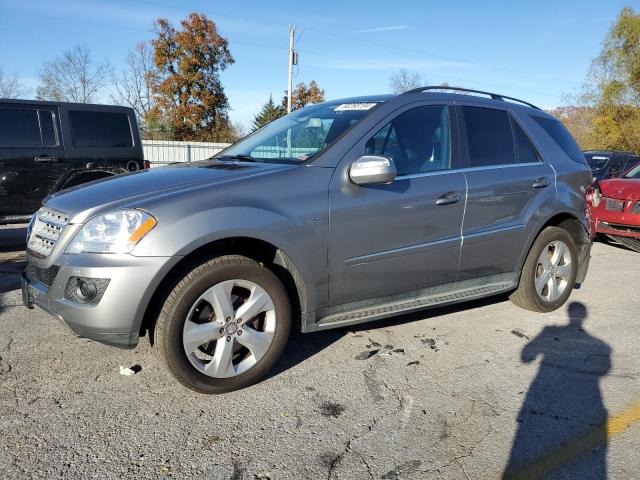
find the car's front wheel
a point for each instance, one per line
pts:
(224, 325)
(549, 272)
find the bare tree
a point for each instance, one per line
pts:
(10, 86)
(404, 80)
(134, 85)
(73, 77)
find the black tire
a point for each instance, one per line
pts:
(525, 296)
(168, 336)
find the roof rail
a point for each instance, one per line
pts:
(494, 96)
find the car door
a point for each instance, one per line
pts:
(401, 236)
(507, 185)
(31, 157)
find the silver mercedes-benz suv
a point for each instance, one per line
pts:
(339, 213)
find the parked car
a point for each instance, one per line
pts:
(48, 146)
(615, 208)
(336, 214)
(610, 163)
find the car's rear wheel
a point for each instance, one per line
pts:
(224, 325)
(549, 272)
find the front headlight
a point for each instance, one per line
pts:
(113, 232)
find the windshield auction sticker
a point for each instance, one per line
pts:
(354, 106)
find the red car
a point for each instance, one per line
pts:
(614, 208)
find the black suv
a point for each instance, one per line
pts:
(610, 163)
(49, 146)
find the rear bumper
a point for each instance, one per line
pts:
(116, 318)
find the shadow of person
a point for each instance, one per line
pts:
(562, 421)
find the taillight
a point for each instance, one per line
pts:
(146, 164)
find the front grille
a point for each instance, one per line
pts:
(614, 205)
(43, 275)
(45, 231)
(636, 208)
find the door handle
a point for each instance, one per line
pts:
(449, 198)
(45, 159)
(541, 183)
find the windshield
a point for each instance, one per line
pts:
(597, 162)
(634, 172)
(300, 135)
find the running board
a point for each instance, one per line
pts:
(368, 310)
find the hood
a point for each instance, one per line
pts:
(621, 188)
(138, 188)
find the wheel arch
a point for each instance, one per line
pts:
(259, 250)
(568, 221)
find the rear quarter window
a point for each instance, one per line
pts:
(561, 137)
(100, 129)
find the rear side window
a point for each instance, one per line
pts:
(100, 129)
(19, 128)
(562, 137)
(489, 136)
(526, 153)
(47, 128)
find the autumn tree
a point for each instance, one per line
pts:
(10, 86)
(612, 90)
(133, 86)
(579, 121)
(304, 95)
(404, 80)
(268, 113)
(73, 77)
(190, 103)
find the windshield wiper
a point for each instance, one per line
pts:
(244, 158)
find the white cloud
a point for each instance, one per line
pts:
(391, 28)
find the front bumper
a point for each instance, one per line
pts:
(618, 229)
(116, 319)
(624, 223)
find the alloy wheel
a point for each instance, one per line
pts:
(229, 328)
(553, 271)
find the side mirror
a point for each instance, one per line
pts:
(371, 169)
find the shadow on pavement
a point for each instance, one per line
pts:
(563, 419)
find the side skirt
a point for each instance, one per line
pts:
(379, 308)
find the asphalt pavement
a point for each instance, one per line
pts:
(464, 392)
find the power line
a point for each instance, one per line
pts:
(362, 40)
(277, 47)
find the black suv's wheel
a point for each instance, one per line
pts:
(549, 272)
(224, 325)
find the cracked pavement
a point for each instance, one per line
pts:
(452, 393)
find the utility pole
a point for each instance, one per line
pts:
(292, 62)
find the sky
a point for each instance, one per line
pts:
(538, 51)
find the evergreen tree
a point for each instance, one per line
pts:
(268, 113)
